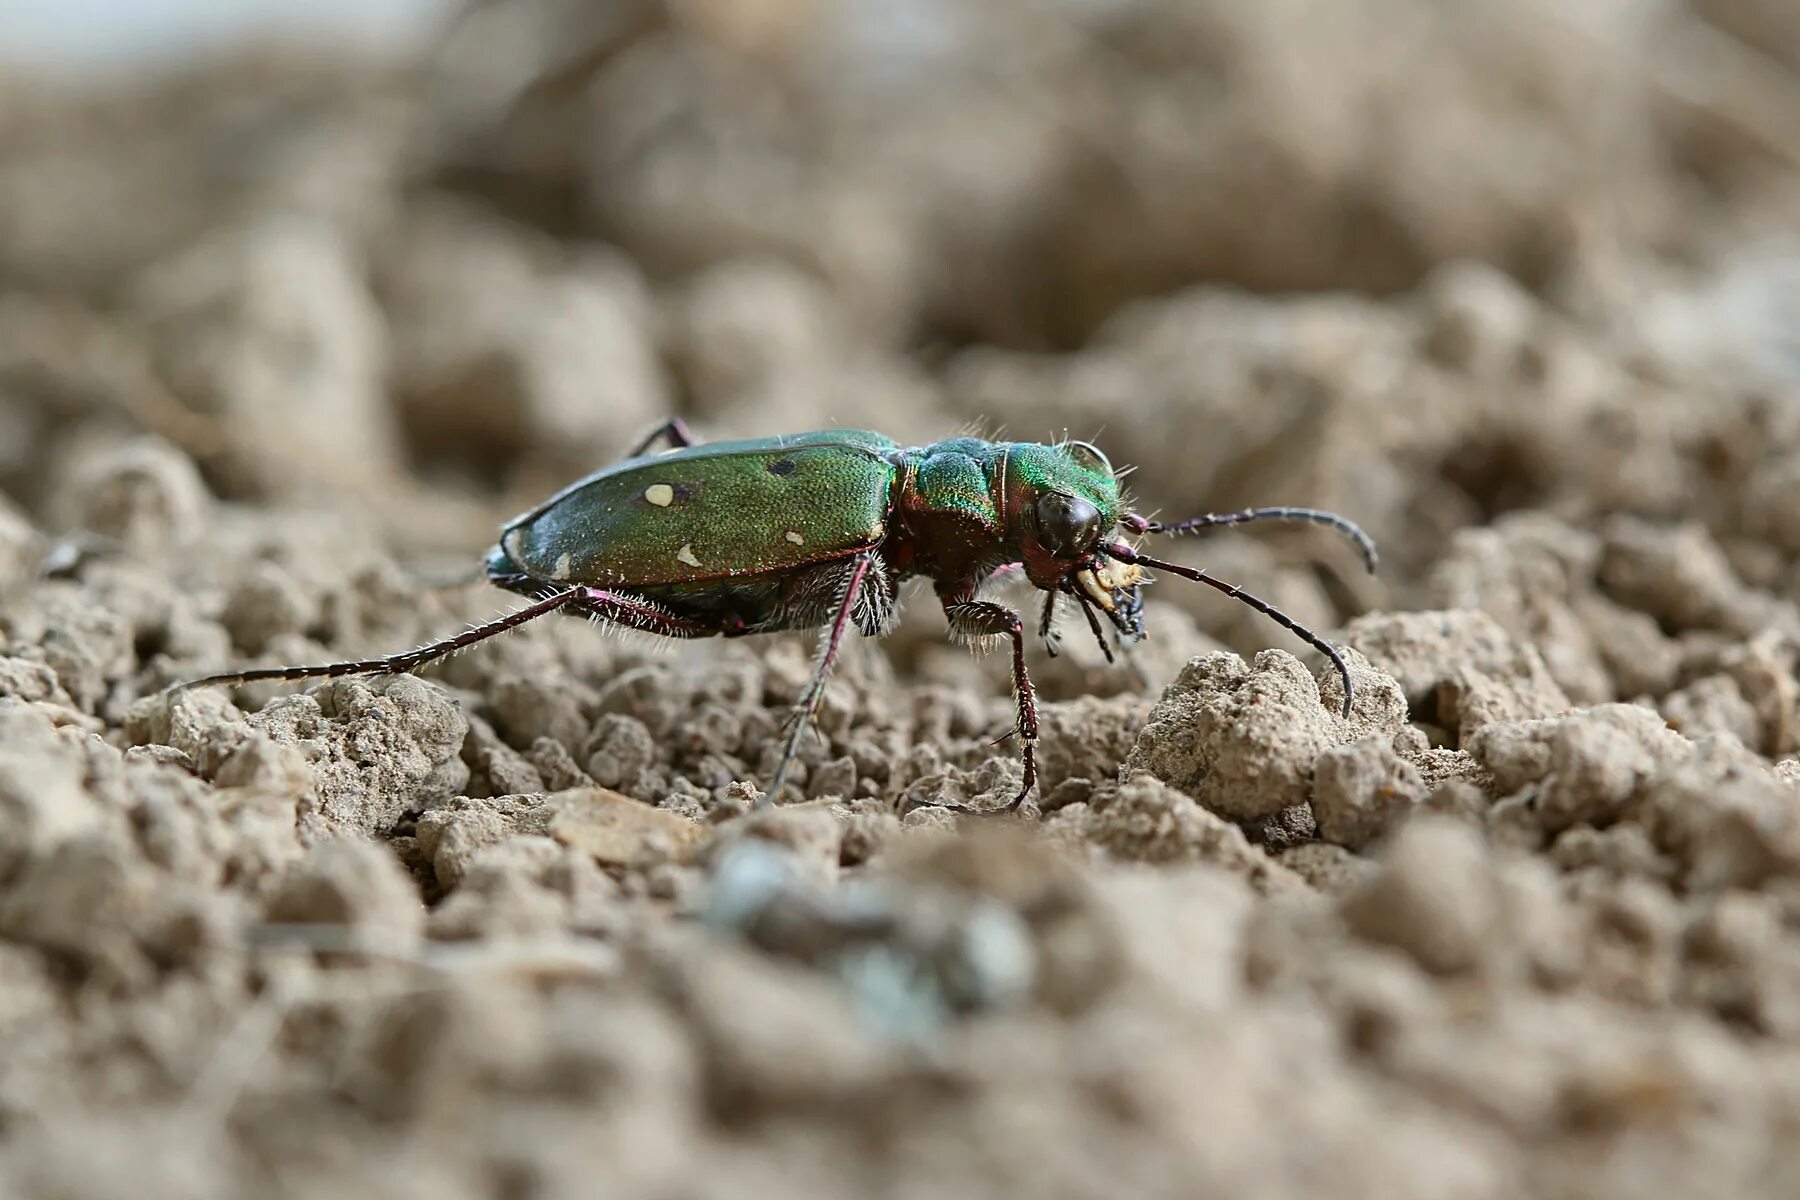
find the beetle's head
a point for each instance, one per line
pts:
(1062, 502)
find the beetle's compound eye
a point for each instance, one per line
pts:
(1088, 457)
(1068, 526)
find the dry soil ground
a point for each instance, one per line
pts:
(283, 338)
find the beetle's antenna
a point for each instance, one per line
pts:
(1365, 545)
(397, 664)
(1125, 553)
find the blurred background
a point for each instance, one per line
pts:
(1428, 262)
(108, 35)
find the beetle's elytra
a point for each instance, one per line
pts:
(817, 530)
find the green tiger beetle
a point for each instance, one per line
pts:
(818, 530)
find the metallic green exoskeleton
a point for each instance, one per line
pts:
(731, 537)
(819, 529)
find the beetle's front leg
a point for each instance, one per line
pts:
(970, 618)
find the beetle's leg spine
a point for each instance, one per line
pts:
(815, 688)
(1365, 545)
(635, 612)
(1127, 554)
(397, 664)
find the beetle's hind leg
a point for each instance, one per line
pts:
(608, 606)
(983, 618)
(396, 664)
(634, 612)
(847, 607)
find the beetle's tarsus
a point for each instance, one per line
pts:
(775, 786)
(1030, 781)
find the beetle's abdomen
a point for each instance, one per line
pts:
(713, 512)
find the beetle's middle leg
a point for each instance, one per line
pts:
(858, 575)
(984, 618)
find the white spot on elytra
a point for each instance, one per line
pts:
(660, 494)
(686, 555)
(794, 537)
(564, 564)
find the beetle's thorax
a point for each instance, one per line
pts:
(966, 506)
(949, 506)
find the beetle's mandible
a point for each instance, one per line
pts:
(818, 530)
